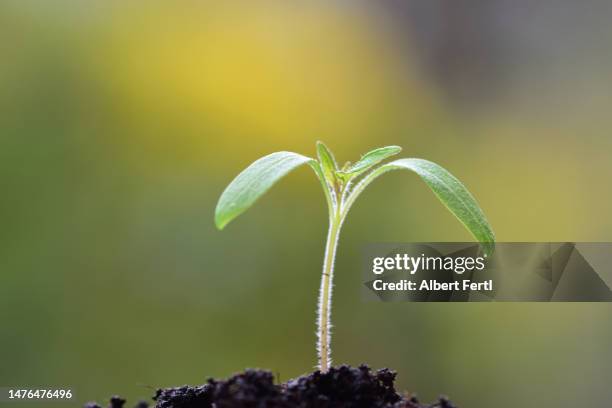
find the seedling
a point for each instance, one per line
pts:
(342, 186)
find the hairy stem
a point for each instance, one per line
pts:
(325, 293)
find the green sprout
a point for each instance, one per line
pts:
(342, 186)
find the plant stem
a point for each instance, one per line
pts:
(325, 293)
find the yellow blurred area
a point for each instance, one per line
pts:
(290, 72)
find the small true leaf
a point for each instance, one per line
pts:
(370, 159)
(328, 162)
(253, 182)
(454, 195)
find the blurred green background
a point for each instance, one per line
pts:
(121, 123)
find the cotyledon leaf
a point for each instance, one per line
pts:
(253, 182)
(369, 160)
(451, 192)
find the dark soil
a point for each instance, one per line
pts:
(340, 387)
